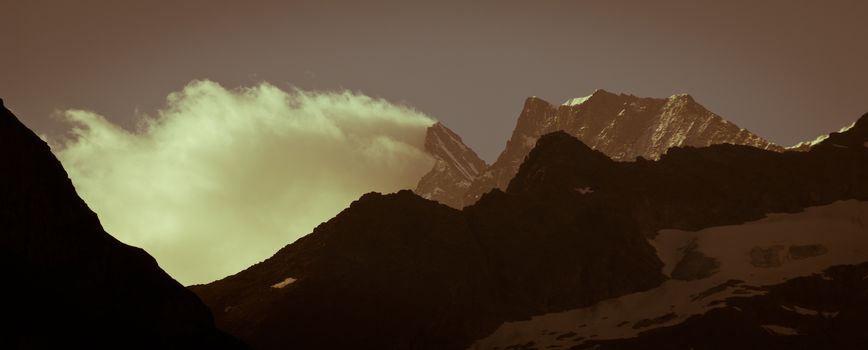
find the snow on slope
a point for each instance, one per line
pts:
(576, 100)
(806, 145)
(759, 253)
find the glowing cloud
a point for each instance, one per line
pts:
(221, 179)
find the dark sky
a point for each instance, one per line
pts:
(787, 70)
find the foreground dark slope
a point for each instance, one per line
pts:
(68, 282)
(398, 271)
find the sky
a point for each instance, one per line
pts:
(788, 70)
(162, 110)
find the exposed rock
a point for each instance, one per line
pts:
(797, 252)
(694, 265)
(455, 167)
(772, 256)
(622, 127)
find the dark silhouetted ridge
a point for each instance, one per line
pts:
(69, 283)
(855, 137)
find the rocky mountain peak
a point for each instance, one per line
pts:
(455, 167)
(620, 126)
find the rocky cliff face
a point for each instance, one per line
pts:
(398, 271)
(622, 127)
(70, 284)
(455, 167)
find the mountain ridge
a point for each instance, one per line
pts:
(622, 126)
(571, 229)
(72, 283)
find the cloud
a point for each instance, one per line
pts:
(221, 179)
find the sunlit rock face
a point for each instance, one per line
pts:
(621, 126)
(455, 167)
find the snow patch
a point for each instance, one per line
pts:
(458, 164)
(848, 127)
(779, 330)
(284, 283)
(585, 190)
(836, 230)
(821, 138)
(801, 310)
(577, 100)
(865, 144)
(529, 141)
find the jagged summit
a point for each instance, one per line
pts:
(455, 167)
(580, 100)
(681, 96)
(598, 93)
(575, 101)
(622, 126)
(563, 145)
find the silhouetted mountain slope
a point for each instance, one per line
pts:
(692, 188)
(72, 285)
(398, 271)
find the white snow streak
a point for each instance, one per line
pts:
(779, 330)
(577, 100)
(283, 283)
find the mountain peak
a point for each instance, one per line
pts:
(561, 144)
(681, 96)
(580, 100)
(455, 166)
(535, 102)
(557, 153)
(621, 126)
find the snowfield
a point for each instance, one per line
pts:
(709, 266)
